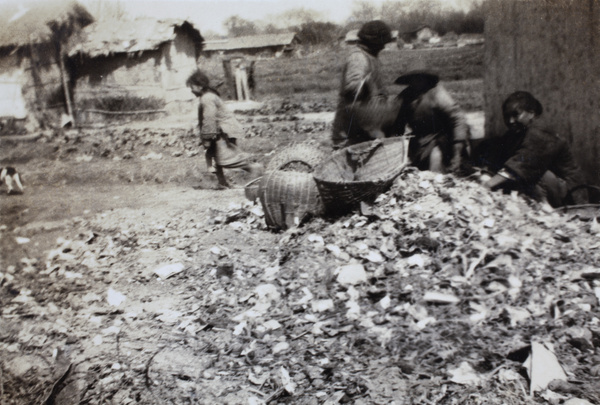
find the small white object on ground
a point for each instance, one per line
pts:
(169, 270)
(115, 298)
(351, 274)
(542, 367)
(440, 298)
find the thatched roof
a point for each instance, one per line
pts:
(251, 42)
(26, 23)
(123, 36)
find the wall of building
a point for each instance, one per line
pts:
(36, 71)
(155, 74)
(118, 75)
(181, 62)
(550, 48)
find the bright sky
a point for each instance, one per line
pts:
(210, 14)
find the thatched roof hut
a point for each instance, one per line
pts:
(27, 23)
(253, 44)
(144, 34)
(136, 65)
(33, 77)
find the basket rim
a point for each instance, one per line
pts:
(363, 145)
(252, 183)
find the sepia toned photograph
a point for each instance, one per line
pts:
(261, 202)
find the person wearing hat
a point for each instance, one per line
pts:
(364, 111)
(530, 158)
(218, 129)
(440, 130)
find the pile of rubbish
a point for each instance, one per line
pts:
(454, 290)
(438, 292)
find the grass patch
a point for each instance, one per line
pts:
(124, 102)
(320, 72)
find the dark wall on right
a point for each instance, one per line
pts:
(550, 48)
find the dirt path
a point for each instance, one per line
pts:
(44, 212)
(107, 241)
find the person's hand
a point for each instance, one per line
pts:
(495, 182)
(484, 178)
(457, 153)
(377, 134)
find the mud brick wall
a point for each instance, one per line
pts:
(550, 48)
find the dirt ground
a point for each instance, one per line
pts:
(126, 278)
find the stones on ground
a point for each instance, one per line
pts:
(351, 274)
(114, 297)
(168, 270)
(281, 347)
(542, 367)
(322, 305)
(577, 401)
(464, 374)
(435, 297)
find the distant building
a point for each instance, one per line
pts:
(34, 82)
(267, 44)
(141, 59)
(422, 35)
(470, 39)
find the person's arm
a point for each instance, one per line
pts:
(356, 76)
(536, 154)
(499, 179)
(460, 129)
(401, 120)
(210, 126)
(452, 110)
(565, 166)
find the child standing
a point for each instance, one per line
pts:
(218, 128)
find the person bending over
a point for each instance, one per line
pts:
(441, 134)
(530, 158)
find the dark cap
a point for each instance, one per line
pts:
(375, 33)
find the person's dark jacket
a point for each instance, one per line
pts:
(525, 157)
(435, 120)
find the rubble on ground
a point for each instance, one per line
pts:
(434, 294)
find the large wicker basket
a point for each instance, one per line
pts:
(360, 172)
(288, 198)
(299, 157)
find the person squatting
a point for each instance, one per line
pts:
(529, 158)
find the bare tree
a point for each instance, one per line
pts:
(299, 16)
(236, 26)
(105, 10)
(363, 11)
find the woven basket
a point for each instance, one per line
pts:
(360, 172)
(300, 157)
(288, 198)
(251, 189)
